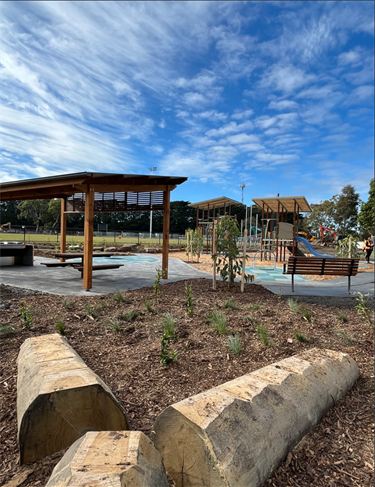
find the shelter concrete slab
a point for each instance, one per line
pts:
(67, 281)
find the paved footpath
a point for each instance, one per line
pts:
(67, 281)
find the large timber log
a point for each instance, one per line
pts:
(59, 398)
(110, 459)
(235, 435)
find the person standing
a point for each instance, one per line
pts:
(368, 248)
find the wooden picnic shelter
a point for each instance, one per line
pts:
(89, 193)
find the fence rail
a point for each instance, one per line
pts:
(75, 236)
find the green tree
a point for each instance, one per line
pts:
(34, 210)
(345, 212)
(54, 210)
(366, 217)
(227, 253)
(322, 214)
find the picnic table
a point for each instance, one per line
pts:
(80, 265)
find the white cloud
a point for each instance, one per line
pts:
(286, 78)
(283, 105)
(243, 115)
(212, 115)
(242, 139)
(231, 127)
(349, 57)
(265, 121)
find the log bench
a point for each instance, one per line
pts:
(316, 266)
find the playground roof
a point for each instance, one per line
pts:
(215, 202)
(65, 185)
(287, 202)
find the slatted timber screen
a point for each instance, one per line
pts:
(316, 266)
(119, 202)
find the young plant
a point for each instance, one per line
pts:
(26, 317)
(230, 304)
(89, 311)
(345, 336)
(218, 322)
(118, 297)
(114, 325)
(65, 302)
(169, 324)
(189, 298)
(362, 309)
(263, 335)
(306, 314)
(255, 307)
(234, 344)
(342, 317)
(167, 356)
(6, 328)
(293, 306)
(228, 263)
(103, 304)
(300, 337)
(129, 315)
(248, 318)
(148, 306)
(59, 325)
(156, 286)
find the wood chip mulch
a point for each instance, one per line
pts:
(338, 452)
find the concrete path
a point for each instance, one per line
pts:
(67, 281)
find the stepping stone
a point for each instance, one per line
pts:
(59, 398)
(110, 459)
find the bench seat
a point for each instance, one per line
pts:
(59, 264)
(317, 266)
(99, 267)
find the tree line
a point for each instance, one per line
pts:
(344, 212)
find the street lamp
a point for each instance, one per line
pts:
(242, 186)
(152, 169)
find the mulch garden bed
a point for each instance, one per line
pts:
(339, 450)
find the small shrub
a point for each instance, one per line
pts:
(218, 322)
(169, 324)
(248, 318)
(118, 297)
(230, 304)
(255, 306)
(156, 286)
(189, 298)
(346, 337)
(263, 334)
(148, 306)
(6, 328)
(362, 309)
(103, 304)
(114, 325)
(130, 315)
(88, 310)
(342, 317)
(234, 344)
(26, 317)
(306, 314)
(300, 337)
(59, 325)
(294, 306)
(167, 356)
(66, 302)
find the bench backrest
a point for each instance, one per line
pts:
(322, 266)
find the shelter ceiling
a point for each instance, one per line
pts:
(217, 202)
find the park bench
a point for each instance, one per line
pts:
(316, 266)
(59, 264)
(98, 267)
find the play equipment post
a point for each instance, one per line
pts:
(243, 261)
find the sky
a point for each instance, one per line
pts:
(278, 96)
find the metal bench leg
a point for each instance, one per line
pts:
(348, 284)
(292, 283)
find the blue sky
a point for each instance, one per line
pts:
(279, 96)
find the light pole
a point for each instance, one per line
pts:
(242, 186)
(152, 169)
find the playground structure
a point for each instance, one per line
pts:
(209, 213)
(277, 234)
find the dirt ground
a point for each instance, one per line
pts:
(337, 452)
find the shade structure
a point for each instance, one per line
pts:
(215, 202)
(286, 202)
(91, 192)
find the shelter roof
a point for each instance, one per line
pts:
(286, 202)
(69, 184)
(217, 202)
